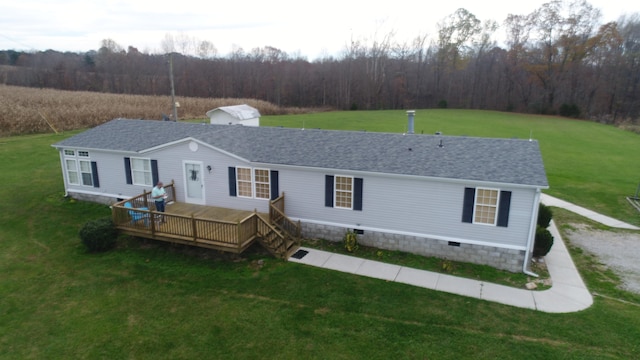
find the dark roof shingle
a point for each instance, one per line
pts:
(513, 161)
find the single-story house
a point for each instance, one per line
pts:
(460, 198)
(235, 115)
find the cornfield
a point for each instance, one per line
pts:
(30, 110)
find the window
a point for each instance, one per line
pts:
(486, 207)
(253, 183)
(244, 182)
(85, 172)
(141, 171)
(80, 170)
(72, 171)
(343, 192)
(261, 177)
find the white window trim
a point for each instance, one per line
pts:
(244, 181)
(77, 158)
(475, 206)
(255, 182)
(67, 171)
(133, 178)
(335, 191)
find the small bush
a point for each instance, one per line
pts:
(99, 235)
(569, 110)
(351, 241)
(544, 216)
(442, 104)
(543, 242)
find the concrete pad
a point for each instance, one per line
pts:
(566, 276)
(508, 295)
(314, 257)
(555, 302)
(458, 285)
(344, 263)
(577, 294)
(378, 270)
(421, 278)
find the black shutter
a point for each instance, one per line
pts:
(232, 181)
(154, 172)
(94, 174)
(357, 194)
(503, 208)
(274, 185)
(467, 205)
(127, 170)
(328, 191)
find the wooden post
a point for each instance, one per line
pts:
(152, 218)
(146, 202)
(173, 190)
(194, 228)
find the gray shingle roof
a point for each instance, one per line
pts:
(513, 161)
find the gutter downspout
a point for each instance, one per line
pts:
(532, 235)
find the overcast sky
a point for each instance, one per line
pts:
(311, 29)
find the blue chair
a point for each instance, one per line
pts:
(137, 216)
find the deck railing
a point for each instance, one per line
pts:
(142, 219)
(277, 216)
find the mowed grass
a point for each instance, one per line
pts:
(150, 301)
(587, 163)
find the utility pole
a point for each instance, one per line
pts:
(173, 92)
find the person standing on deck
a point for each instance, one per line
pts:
(158, 194)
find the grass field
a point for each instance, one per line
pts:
(151, 301)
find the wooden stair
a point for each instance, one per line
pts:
(279, 242)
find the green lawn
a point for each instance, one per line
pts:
(155, 301)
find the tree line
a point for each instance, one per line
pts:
(559, 59)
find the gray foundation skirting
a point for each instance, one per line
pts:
(505, 259)
(100, 199)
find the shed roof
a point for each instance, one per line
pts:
(512, 161)
(240, 112)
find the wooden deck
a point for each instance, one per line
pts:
(208, 226)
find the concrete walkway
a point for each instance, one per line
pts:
(568, 293)
(611, 222)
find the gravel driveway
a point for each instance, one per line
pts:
(620, 251)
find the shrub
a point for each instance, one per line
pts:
(442, 104)
(569, 110)
(543, 242)
(351, 241)
(544, 216)
(99, 235)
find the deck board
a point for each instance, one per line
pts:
(207, 212)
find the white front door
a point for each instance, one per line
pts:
(194, 182)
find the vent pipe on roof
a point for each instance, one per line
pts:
(410, 114)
